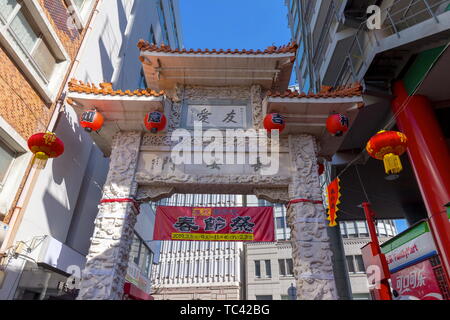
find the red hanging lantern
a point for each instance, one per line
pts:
(91, 120)
(274, 121)
(44, 146)
(388, 146)
(321, 168)
(337, 124)
(155, 121)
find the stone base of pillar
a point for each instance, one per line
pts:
(104, 275)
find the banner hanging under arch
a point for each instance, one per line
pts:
(214, 223)
(333, 196)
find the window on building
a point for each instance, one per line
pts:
(257, 269)
(293, 7)
(23, 31)
(306, 84)
(268, 268)
(80, 10)
(280, 222)
(390, 228)
(381, 228)
(163, 24)
(300, 52)
(359, 264)
(7, 156)
(141, 255)
(174, 21)
(145, 259)
(135, 249)
(286, 267)
(33, 44)
(290, 267)
(282, 267)
(343, 230)
(296, 26)
(350, 264)
(351, 229)
(362, 228)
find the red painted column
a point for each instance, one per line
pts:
(430, 158)
(384, 290)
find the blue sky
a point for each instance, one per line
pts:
(401, 225)
(234, 24)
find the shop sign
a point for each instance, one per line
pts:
(214, 223)
(410, 247)
(134, 276)
(417, 282)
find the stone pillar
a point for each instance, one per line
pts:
(107, 261)
(311, 249)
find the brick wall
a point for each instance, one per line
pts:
(20, 103)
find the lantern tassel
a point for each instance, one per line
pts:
(392, 163)
(40, 160)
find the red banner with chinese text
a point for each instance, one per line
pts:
(333, 195)
(214, 223)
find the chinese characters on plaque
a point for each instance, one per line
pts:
(217, 116)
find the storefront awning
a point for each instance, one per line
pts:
(133, 292)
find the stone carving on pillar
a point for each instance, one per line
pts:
(107, 261)
(311, 249)
(274, 195)
(256, 102)
(150, 193)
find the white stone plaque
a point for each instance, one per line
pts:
(217, 116)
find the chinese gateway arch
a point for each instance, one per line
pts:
(254, 82)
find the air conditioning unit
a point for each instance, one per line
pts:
(3, 230)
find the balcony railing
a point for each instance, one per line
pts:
(401, 15)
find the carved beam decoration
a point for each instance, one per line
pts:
(274, 195)
(151, 193)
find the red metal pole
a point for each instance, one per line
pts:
(429, 155)
(383, 292)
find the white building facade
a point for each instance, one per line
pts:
(54, 234)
